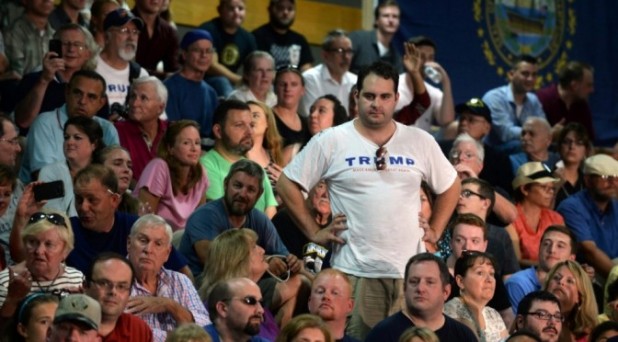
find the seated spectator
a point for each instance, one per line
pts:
(332, 76)
(32, 318)
(118, 159)
(287, 46)
(26, 39)
(324, 113)
(604, 332)
(426, 287)
(188, 333)
(415, 334)
(290, 88)
(236, 311)
(610, 301)
(173, 184)
(46, 240)
(305, 327)
(512, 104)
(235, 209)
(109, 283)
(441, 110)
(591, 213)
(98, 11)
(267, 143)
(534, 193)
(143, 130)
(115, 62)
(163, 298)
(571, 285)
(232, 45)
(557, 244)
(233, 133)
(11, 191)
(574, 146)
(331, 300)
(189, 97)
(76, 314)
(68, 12)
(83, 138)
(257, 80)
(235, 253)
(539, 312)
(158, 40)
(85, 95)
(43, 91)
(470, 234)
(536, 139)
(474, 274)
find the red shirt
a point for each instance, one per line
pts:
(555, 109)
(132, 138)
(129, 328)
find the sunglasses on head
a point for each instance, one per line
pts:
(56, 219)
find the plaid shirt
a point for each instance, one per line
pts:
(176, 286)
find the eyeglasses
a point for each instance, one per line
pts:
(467, 193)
(56, 219)
(14, 141)
(109, 286)
(546, 316)
(77, 45)
(127, 31)
(381, 158)
(289, 67)
(248, 300)
(342, 52)
(610, 178)
(462, 155)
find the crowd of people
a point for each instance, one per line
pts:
(224, 186)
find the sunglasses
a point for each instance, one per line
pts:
(56, 219)
(248, 300)
(381, 158)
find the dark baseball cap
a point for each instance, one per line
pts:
(475, 106)
(119, 17)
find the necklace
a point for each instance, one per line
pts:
(47, 289)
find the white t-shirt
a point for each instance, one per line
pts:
(117, 81)
(382, 207)
(406, 95)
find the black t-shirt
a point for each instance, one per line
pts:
(391, 328)
(232, 49)
(290, 48)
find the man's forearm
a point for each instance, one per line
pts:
(292, 197)
(181, 314)
(598, 259)
(447, 108)
(444, 206)
(28, 108)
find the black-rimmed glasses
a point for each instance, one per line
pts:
(56, 219)
(546, 316)
(381, 158)
(466, 193)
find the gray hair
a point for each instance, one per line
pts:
(541, 121)
(152, 221)
(331, 36)
(465, 137)
(159, 86)
(248, 63)
(91, 45)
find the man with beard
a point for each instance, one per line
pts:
(592, 213)
(233, 133)
(235, 308)
(540, 313)
(232, 45)
(512, 104)
(115, 62)
(331, 299)
(372, 46)
(288, 47)
(109, 282)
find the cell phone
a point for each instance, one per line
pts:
(55, 45)
(49, 190)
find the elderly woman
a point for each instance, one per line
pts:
(47, 240)
(83, 138)
(327, 111)
(534, 192)
(257, 79)
(574, 146)
(568, 281)
(235, 253)
(174, 184)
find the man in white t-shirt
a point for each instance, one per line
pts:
(442, 110)
(374, 168)
(115, 63)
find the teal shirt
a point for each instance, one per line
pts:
(217, 168)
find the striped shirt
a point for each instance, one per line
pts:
(71, 280)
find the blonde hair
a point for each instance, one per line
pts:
(228, 257)
(273, 142)
(188, 333)
(583, 318)
(423, 333)
(43, 225)
(300, 323)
